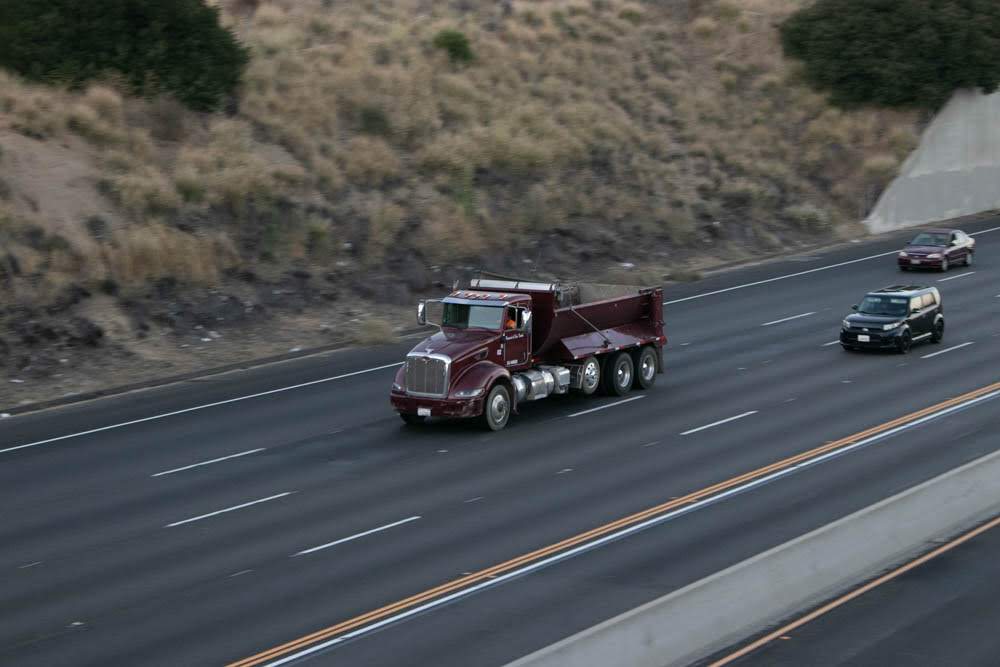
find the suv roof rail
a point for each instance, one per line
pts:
(902, 288)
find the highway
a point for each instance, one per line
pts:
(284, 513)
(941, 611)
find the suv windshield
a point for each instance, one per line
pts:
(930, 239)
(464, 316)
(884, 305)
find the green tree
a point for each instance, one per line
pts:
(456, 45)
(896, 53)
(162, 46)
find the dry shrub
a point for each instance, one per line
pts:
(145, 191)
(140, 254)
(370, 161)
(375, 331)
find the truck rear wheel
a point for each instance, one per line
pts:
(496, 410)
(618, 374)
(645, 368)
(590, 376)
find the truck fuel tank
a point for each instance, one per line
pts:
(536, 383)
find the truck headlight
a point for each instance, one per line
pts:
(891, 326)
(468, 393)
(934, 255)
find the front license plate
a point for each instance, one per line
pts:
(862, 338)
(914, 261)
(423, 412)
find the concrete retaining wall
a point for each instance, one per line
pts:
(954, 172)
(722, 609)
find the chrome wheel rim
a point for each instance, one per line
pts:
(498, 407)
(624, 375)
(590, 375)
(648, 367)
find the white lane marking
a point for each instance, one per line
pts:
(564, 471)
(788, 319)
(229, 509)
(474, 500)
(25, 567)
(802, 273)
(240, 573)
(948, 349)
(198, 407)
(961, 275)
(832, 342)
(354, 537)
(652, 444)
(205, 463)
(720, 422)
(625, 532)
(605, 407)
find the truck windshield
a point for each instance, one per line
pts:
(464, 316)
(883, 305)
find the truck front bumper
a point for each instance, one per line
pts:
(438, 407)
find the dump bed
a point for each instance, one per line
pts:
(574, 320)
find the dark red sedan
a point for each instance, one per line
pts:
(937, 249)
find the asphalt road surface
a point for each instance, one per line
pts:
(941, 612)
(213, 520)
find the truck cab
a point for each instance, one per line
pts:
(503, 342)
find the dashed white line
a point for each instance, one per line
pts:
(832, 342)
(197, 407)
(564, 471)
(948, 349)
(719, 423)
(652, 444)
(605, 407)
(788, 319)
(474, 500)
(961, 275)
(205, 463)
(354, 537)
(25, 567)
(229, 509)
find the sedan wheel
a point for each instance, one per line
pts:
(969, 258)
(944, 264)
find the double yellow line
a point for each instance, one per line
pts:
(477, 577)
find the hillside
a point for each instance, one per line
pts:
(363, 165)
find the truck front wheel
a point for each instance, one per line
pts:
(618, 374)
(496, 411)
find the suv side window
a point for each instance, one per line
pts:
(915, 303)
(928, 300)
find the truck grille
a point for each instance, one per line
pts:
(427, 375)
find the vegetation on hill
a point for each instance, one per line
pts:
(168, 46)
(896, 53)
(376, 144)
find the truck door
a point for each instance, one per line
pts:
(517, 341)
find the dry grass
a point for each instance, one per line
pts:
(627, 126)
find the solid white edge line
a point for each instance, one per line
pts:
(802, 273)
(948, 349)
(229, 509)
(605, 407)
(198, 407)
(788, 319)
(354, 537)
(832, 342)
(960, 275)
(625, 532)
(720, 422)
(205, 463)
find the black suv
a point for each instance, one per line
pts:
(894, 318)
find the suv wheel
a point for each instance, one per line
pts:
(938, 334)
(905, 343)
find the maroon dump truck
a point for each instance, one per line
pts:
(504, 342)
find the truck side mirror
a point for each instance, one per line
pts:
(422, 313)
